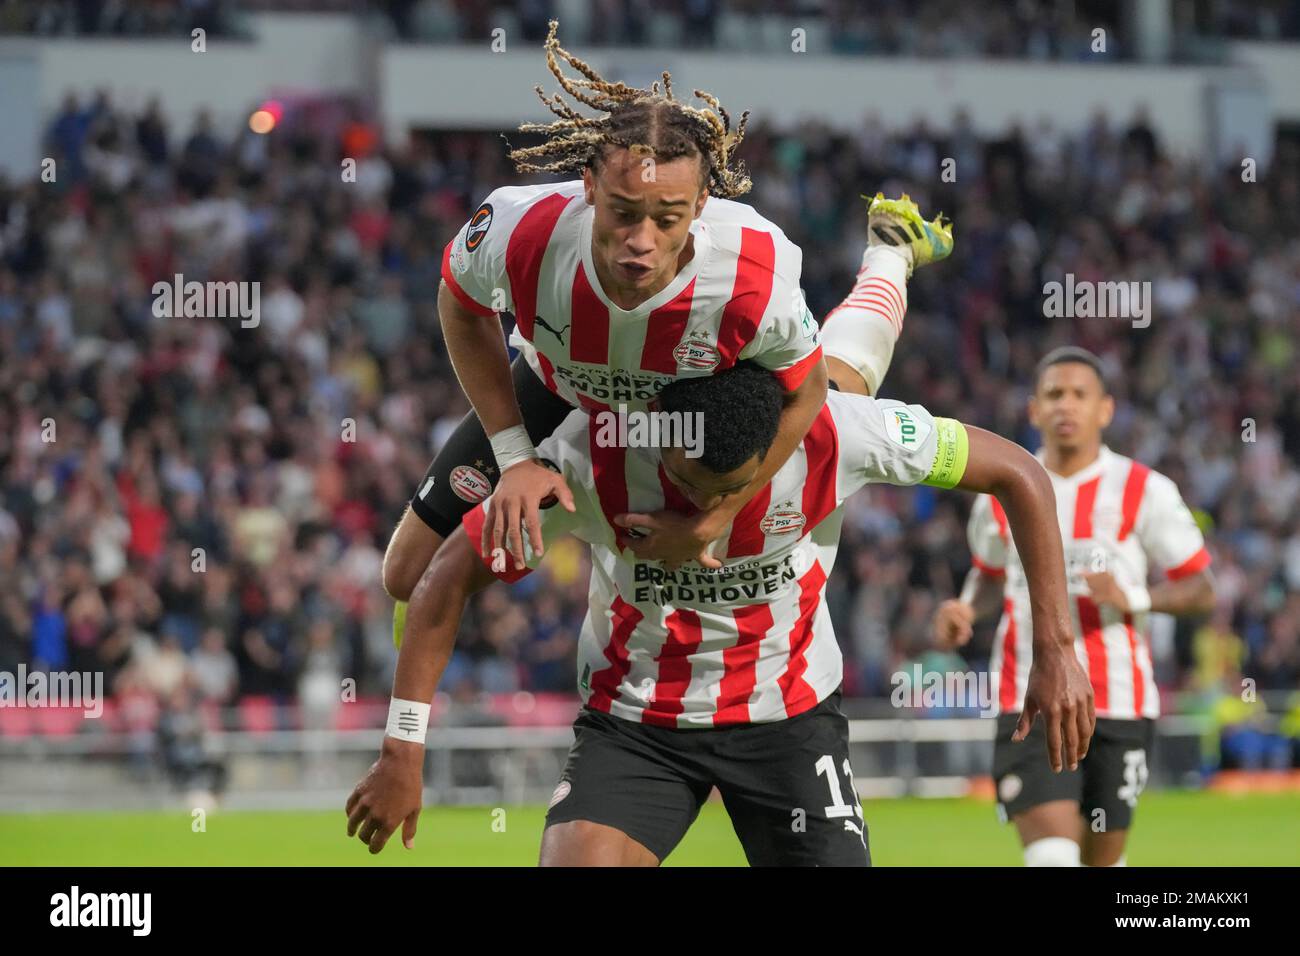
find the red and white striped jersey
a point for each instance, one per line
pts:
(1116, 515)
(527, 250)
(750, 642)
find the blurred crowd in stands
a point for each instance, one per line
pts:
(200, 509)
(1037, 29)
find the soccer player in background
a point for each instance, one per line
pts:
(731, 677)
(1119, 519)
(639, 273)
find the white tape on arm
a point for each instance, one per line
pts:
(1139, 599)
(408, 720)
(512, 445)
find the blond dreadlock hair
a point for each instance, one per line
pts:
(646, 122)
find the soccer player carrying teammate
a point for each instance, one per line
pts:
(729, 678)
(638, 274)
(1118, 518)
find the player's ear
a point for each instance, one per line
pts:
(1033, 411)
(589, 185)
(1107, 410)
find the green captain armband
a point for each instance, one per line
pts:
(399, 623)
(952, 446)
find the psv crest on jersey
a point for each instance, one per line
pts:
(783, 521)
(697, 354)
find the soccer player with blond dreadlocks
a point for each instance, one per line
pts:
(639, 273)
(634, 280)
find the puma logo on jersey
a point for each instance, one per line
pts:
(559, 335)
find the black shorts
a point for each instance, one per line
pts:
(464, 471)
(1106, 786)
(786, 784)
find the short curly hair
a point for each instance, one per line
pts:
(740, 408)
(1070, 353)
(647, 122)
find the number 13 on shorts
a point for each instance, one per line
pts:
(839, 808)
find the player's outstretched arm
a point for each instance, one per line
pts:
(1058, 687)
(477, 350)
(390, 794)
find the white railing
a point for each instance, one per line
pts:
(893, 756)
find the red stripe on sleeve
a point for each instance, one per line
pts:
(1007, 682)
(821, 448)
(674, 659)
(1196, 563)
(473, 521)
(524, 254)
(750, 294)
(589, 337)
(605, 682)
(1084, 499)
(1090, 624)
(664, 331)
(791, 378)
(1134, 486)
(739, 664)
(461, 295)
(795, 692)
(987, 569)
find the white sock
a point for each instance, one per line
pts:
(861, 330)
(1052, 851)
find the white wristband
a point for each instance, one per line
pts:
(1139, 599)
(408, 720)
(512, 445)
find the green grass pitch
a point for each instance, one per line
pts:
(1173, 828)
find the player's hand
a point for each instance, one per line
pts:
(954, 623)
(1060, 691)
(673, 539)
(388, 796)
(1104, 589)
(515, 502)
